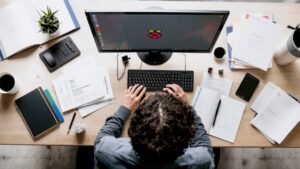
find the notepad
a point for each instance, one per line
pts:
(228, 117)
(36, 112)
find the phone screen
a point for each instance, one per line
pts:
(247, 87)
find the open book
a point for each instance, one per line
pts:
(277, 113)
(20, 30)
(220, 114)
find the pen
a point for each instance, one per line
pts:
(70, 126)
(216, 114)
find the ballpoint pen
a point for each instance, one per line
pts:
(216, 114)
(70, 126)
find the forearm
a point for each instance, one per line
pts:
(201, 136)
(114, 124)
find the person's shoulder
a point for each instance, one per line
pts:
(198, 157)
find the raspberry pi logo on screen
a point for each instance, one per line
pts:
(154, 33)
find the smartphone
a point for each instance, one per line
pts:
(247, 87)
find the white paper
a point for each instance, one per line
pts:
(257, 41)
(80, 84)
(221, 85)
(205, 105)
(228, 119)
(264, 97)
(16, 31)
(108, 99)
(278, 117)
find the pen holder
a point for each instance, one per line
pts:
(80, 128)
(289, 49)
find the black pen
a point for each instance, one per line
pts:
(70, 126)
(216, 114)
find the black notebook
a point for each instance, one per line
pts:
(36, 112)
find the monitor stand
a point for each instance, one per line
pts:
(154, 57)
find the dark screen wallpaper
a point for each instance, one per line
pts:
(116, 31)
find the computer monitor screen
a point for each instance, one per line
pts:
(188, 31)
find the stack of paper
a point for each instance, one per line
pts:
(277, 113)
(83, 85)
(251, 42)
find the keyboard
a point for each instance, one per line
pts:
(156, 80)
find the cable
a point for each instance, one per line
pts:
(119, 78)
(184, 61)
(141, 65)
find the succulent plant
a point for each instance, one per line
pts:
(48, 21)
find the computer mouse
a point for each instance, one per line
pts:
(49, 60)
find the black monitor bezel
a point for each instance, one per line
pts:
(200, 12)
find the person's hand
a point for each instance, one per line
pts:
(133, 96)
(176, 91)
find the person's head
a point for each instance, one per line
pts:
(161, 128)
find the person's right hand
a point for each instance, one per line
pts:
(176, 91)
(133, 96)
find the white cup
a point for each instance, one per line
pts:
(289, 50)
(8, 84)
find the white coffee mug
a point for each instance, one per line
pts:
(289, 50)
(8, 84)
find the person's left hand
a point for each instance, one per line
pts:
(133, 96)
(176, 91)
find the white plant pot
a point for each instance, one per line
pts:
(55, 34)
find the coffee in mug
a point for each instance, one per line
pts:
(7, 84)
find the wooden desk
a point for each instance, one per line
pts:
(31, 73)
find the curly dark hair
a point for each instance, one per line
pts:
(161, 128)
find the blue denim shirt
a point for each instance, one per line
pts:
(112, 152)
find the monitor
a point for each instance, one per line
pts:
(154, 35)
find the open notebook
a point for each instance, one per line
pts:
(20, 30)
(229, 115)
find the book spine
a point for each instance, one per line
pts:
(71, 12)
(54, 106)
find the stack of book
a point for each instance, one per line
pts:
(251, 41)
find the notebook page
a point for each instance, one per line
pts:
(228, 119)
(205, 106)
(16, 31)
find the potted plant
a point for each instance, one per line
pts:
(49, 23)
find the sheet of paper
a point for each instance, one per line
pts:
(84, 84)
(108, 99)
(258, 39)
(228, 119)
(218, 84)
(264, 97)
(205, 104)
(279, 116)
(16, 30)
(63, 93)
